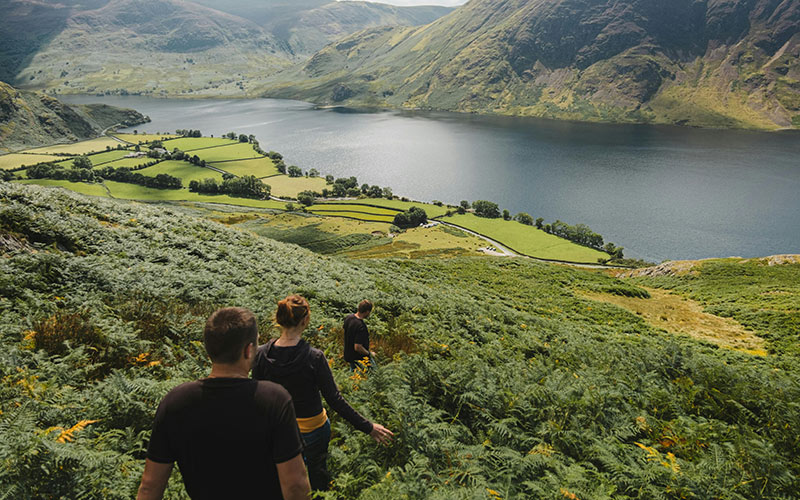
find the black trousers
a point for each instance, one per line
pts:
(315, 456)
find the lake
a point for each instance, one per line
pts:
(661, 192)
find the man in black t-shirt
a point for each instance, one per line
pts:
(356, 336)
(233, 437)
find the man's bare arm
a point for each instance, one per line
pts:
(154, 480)
(294, 480)
(360, 349)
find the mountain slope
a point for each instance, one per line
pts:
(30, 119)
(305, 32)
(730, 63)
(169, 47)
(148, 47)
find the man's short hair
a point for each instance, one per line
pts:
(227, 332)
(364, 306)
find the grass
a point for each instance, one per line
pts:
(527, 240)
(284, 186)
(182, 170)
(355, 238)
(135, 192)
(338, 207)
(127, 162)
(17, 160)
(682, 316)
(430, 209)
(142, 138)
(193, 143)
(260, 167)
(358, 215)
(237, 151)
(78, 187)
(78, 148)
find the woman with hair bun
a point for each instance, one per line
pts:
(304, 372)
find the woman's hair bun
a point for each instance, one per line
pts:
(291, 311)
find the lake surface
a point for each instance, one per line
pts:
(661, 192)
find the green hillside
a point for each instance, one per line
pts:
(173, 47)
(31, 119)
(714, 64)
(501, 378)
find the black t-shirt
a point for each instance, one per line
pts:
(226, 434)
(355, 332)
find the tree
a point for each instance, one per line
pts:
(231, 136)
(539, 223)
(294, 171)
(506, 214)
(365, 188)
(387, 193)
(156, 144)
(487, 209)
(243, 138)
(524, 218)
(329, 179)
(464, 204)
(306, 198)
(413, 217)
(281, 166)
(375, 192)
(83, 162)
(313, 172)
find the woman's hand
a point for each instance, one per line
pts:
(381, 434)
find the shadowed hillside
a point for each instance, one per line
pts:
(30, 119)
(710, 63)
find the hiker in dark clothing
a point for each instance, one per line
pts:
(356, 337)
(304, 372)
(232, 437)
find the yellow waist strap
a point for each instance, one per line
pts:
(310, 424)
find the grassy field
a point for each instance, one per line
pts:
(99, 159)
(182, 170)
(237, 151)
(16, 160)
(142, 138)
(284, 186)
(338, 207)
(78, 148)
(193, 143)
(358, 239)
(527, 240)
(430, 209)
(260, 167)
(78, 187)
(135, 192)
(127, 162)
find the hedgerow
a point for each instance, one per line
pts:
(499, 379)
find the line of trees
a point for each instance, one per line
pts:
(188, 133)
(122, 174)
(248, 186)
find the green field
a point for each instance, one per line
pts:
(430, 209)
(98, 159)
(127, 162)
(78, 187)
(193, 143)
(356, 215)
(284, 186)
(527, 240)
(182, 170)
(142, 138)
(338, 207)
(136, 192)
(16, 160)
(237, 151)
(260, 167)
(78, 148)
